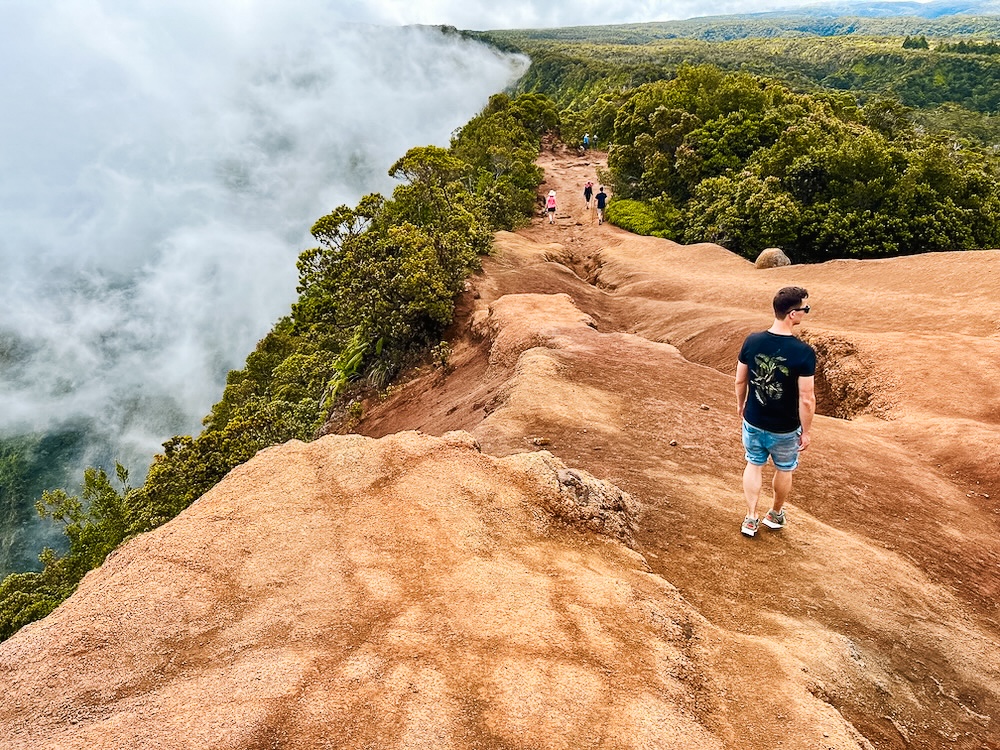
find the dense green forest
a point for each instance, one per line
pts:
(827, 146)
(829, 141)
(800, 23)
(919, 78)
(864, 56)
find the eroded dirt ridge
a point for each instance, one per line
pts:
(562, 567)
(624, 366)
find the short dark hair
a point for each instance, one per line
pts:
(787, 299)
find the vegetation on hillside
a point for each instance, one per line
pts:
(748, 163)
(29, 463)
(851, 146)
(922, 62)
(377, 289)
(755, 26)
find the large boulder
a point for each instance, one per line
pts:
(772, 257)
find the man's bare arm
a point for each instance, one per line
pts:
(742, 386)
(807, 408)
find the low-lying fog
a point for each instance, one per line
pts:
(160, 167)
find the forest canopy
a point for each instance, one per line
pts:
(829, 147)
(745, 162)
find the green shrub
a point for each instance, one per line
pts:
(633, 216)
(655, 218)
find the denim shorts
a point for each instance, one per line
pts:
(782, 447)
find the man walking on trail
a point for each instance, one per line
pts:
(776, 398)
(602, 199)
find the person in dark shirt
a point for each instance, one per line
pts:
(776, 398)
(602, 200)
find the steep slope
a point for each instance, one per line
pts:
(470, 590)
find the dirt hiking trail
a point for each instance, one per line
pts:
(538, 545)
(883, 587)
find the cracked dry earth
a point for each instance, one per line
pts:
(538, 546)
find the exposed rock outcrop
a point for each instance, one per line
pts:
(354, 593)
(583, 500)
(772, 257)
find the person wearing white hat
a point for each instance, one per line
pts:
(550, 206)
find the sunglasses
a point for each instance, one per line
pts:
(800, 309)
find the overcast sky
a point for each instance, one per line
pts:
(510, 14)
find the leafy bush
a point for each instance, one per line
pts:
(748, 163)
(94, 525)
(635, 216)
(656, 218)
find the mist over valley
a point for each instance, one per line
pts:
(160, 171)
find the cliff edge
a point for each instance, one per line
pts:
(538, 545)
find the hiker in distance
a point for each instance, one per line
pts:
(776, 399)
(588, 193)
(602, 200)
(550, 206)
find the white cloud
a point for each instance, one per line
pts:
(542, 14)
(161, 166)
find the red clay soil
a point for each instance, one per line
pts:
(493, 588)
(884, 584)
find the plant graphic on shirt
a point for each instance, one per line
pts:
(766, 385)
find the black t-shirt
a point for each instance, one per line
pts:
(601, 199)
(776, 363)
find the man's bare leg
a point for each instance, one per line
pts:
(782, 484)
(753, 477)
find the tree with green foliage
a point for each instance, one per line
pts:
(964, 47)
(95, 524)
(29, 464)
(501, 145)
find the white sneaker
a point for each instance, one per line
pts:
(774, 520)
